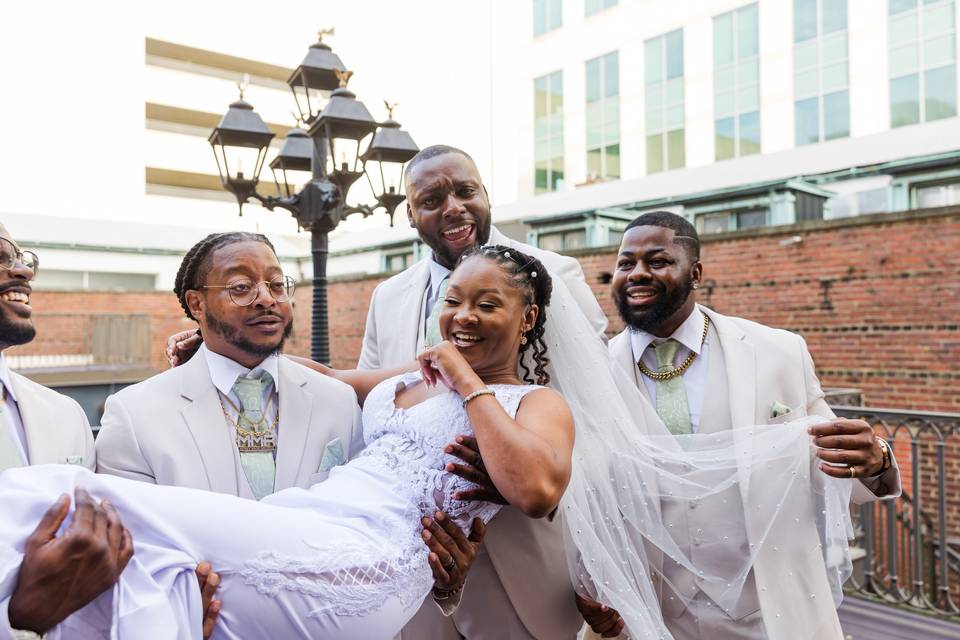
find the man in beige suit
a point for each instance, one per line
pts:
(519, 586)
(238, 418)
(60, 573)
(724, 371)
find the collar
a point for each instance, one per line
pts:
(224, 371)
(5, 377)
(689, 334)
(437, 273)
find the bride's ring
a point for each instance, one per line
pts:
(450, 566)
(853, 471)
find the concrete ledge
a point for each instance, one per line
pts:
(866, 620)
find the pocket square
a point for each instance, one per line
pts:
(75, 460)
(778, 409)
(332, 455)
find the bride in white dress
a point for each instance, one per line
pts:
(343, 559)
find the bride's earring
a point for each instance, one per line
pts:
(523, 339)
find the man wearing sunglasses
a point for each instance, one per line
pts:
(238, 418)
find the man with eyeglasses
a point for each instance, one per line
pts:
(62, 571)
(238, 418)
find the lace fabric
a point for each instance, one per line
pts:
(407, 447)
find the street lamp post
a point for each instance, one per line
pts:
(326, 158)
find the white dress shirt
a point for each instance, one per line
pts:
(437, 273)
(224, 373)
(690, 336)
(12, 420)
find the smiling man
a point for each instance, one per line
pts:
(703, 372)
(239, 418)
(519, 586)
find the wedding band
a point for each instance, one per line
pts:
(853, 471)
(450, 566)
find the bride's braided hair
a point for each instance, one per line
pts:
(528, 273)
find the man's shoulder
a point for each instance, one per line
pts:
(759, 334)
(45, 394)
(400, 280)
(158, 387)
(553, 261)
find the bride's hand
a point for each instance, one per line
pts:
(444, 363)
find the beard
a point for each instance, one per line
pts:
(232, 336)
(444, 255)
(16, 331)
(648, 320)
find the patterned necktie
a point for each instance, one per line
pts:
(9, 451)
(433, 322)
(259, 466)
(672, 404)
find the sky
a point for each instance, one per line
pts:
(72, 82)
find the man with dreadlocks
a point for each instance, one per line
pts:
(239, 418)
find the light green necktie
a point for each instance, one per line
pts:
(433, 322)
(9, 451)
(259, 466)
(672, 404)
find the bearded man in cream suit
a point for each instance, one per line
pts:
(237, 418)
(729, 371)
(61, 571)
(518, 586)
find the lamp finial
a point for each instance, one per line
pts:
(322, 33)
(242, 84)
(343, 77)
(390, 108)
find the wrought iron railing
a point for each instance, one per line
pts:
(912, 545)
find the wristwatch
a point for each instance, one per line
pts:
(887, 456)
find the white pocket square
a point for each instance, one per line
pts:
(75, 460)
(332, 455)
(778, 409)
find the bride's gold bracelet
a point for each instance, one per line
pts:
(486, 391)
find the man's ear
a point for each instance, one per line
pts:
(696, 273)
(410, 216)
(196, 303)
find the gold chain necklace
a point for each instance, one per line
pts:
(660, 376)
(236, 422)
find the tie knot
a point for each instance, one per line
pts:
(666, 352)
(250, 392)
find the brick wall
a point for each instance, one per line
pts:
(877, 298)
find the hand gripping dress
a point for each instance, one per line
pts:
(343, 559)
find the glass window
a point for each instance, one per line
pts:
(603, 116)
(548, 132)
(820, 80)
(562, 240)
(59, 279)
(547, 16)
(398, 261)
(923, 83)
(941, 195)
(663, 61)
(121, 281)
(550, 241)
(714, 223)
(736, 83)
(591, 7)
(751, 219)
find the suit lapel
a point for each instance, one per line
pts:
(206, 424)
(741, 364)
(622, 351)
(295, 413)
(409, 315)
(43, 444)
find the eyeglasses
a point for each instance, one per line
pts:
(11, 256)
(243, 292)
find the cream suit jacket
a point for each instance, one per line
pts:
(526, 553)
(57, 433)
(763, 366)
(170, 429)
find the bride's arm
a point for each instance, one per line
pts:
(362, 380)
(529, 458)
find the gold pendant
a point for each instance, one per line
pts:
(248, 441)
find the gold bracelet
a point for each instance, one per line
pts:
(446, 594)
(486, 391)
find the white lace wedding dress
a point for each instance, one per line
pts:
(343, 559)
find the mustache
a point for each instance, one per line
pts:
(15, 284)
(267, 314)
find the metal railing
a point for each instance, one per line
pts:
(912, 545)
